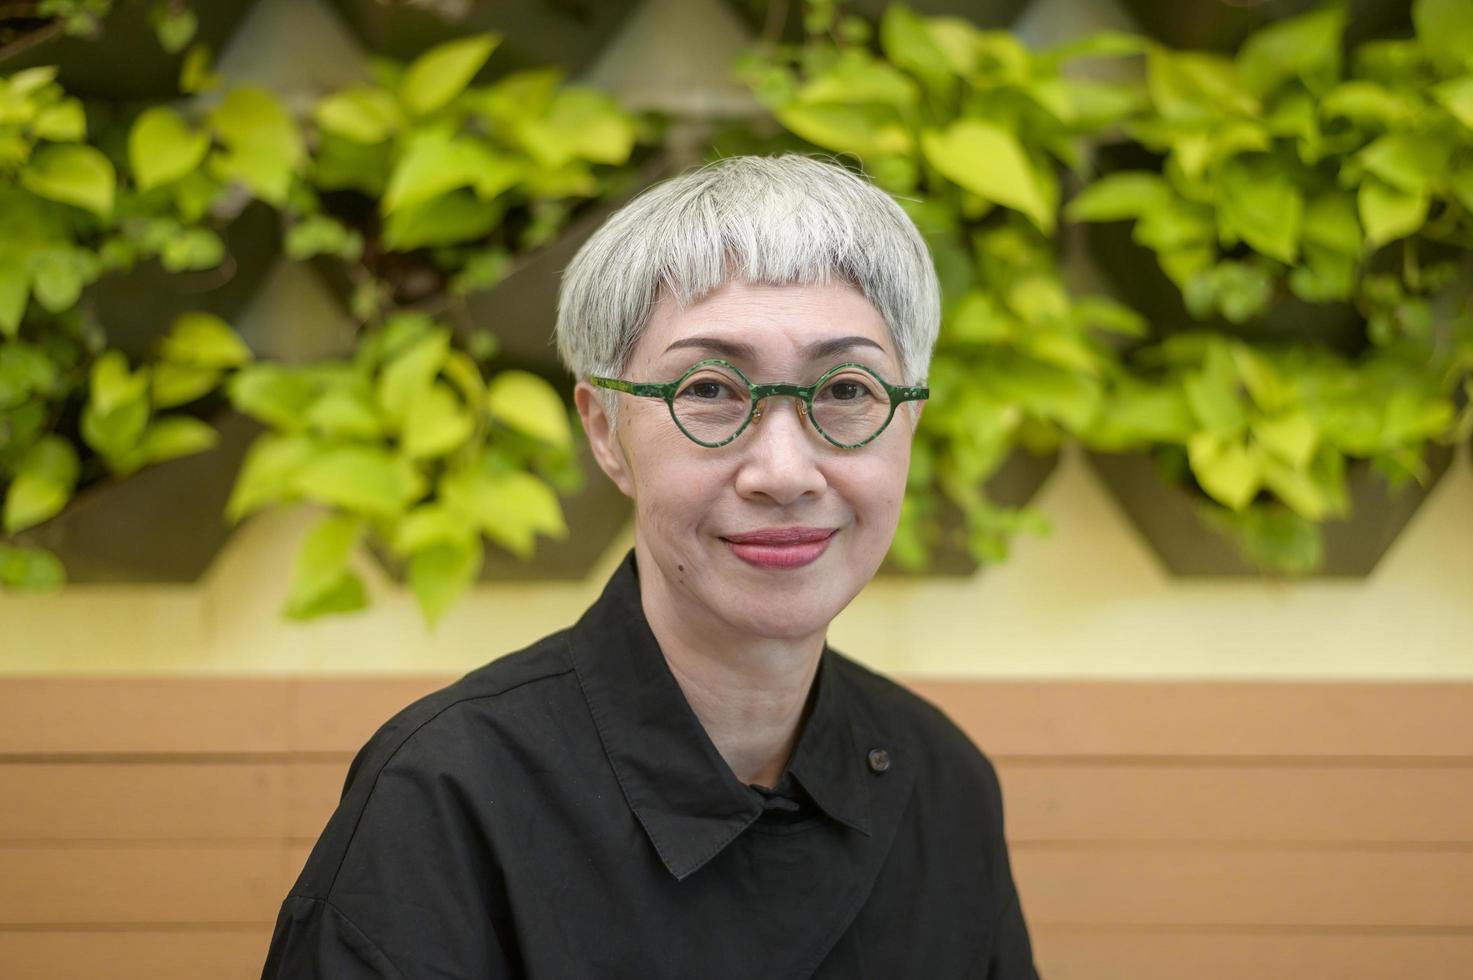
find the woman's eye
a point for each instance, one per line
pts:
(846, 391)
(705, 389)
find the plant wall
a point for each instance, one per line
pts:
(1285, 230)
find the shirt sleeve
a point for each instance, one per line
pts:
(313, 939)
(404, 883)
(1011, 953)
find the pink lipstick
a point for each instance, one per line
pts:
(781, 547)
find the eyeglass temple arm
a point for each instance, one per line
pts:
(634, 387)
(905, 393)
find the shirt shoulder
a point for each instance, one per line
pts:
(438, 732)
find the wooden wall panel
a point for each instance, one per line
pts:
(1158, 829)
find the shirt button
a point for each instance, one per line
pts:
(879, 760)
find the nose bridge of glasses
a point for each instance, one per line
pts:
(760, 394)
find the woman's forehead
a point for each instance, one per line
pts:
(762, 323)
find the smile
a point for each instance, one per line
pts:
(780, 555)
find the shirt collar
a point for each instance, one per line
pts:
(684, 794)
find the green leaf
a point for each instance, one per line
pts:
(1461, 180)
(27, 376)
(15, 287)
(162, 148)
(1139, 414)
(72, 174)
(64, 122)
(1445, 28)
(440, 574)
(363, 115)
(1387, 213)
(268, 472)
(443, 72)
(30, 569)
(436, 161)
(44, 480)
(856, 78)
(318, 234)
(113, 385)
(581, 123)
(1196, 87)
(1293, 437)
(409, 372)
(346, 412)
(366, 479)
(1262, 206)
(529, 404)
(868, 130)
(1119, 196)
(452, 218)
(321, 579)
(1306, 47)
(511, 507)
(204, 340)
(1296, 488)
(436, 423)
(273, 393)
(195, 73)
(176, 435)
(177, 384)
(1330, 220)
(1270, 390)
(58, 275)
(429, 524)
(1212, 393)
(1456, 96)
(1323, 276)
(174, 26)
(910, 46)
(990, 162)
(262, 145)
(1410, 162)
(1367, 103)
(1226, 469)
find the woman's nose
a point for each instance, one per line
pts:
(781, 460)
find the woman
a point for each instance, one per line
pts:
(689, 782)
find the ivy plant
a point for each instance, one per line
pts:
(75, 210)
(428, 186)
(74, 412)
(974, 135)
(70, 420)
(173, 21)
(1286, 172)
(408, 447)
(1265, 433)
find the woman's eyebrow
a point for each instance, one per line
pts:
(737, 349)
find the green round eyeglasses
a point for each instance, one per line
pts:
(713, 402)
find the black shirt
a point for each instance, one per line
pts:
(561, 813)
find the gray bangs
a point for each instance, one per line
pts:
(776, 220)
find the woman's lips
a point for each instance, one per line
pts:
(780, 555)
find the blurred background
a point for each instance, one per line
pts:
(284, 442)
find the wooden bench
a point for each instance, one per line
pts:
(149, 827)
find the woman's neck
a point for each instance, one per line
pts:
(750, 693)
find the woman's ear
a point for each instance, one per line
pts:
(602, 438)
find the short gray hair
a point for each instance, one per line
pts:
(792, 219)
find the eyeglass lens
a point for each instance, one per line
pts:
(713, 402)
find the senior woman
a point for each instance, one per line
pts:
(689, 782)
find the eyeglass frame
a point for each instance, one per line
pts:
(804, 393)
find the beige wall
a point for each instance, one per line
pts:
(1088, 602)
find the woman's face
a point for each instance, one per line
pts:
(779, 473)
